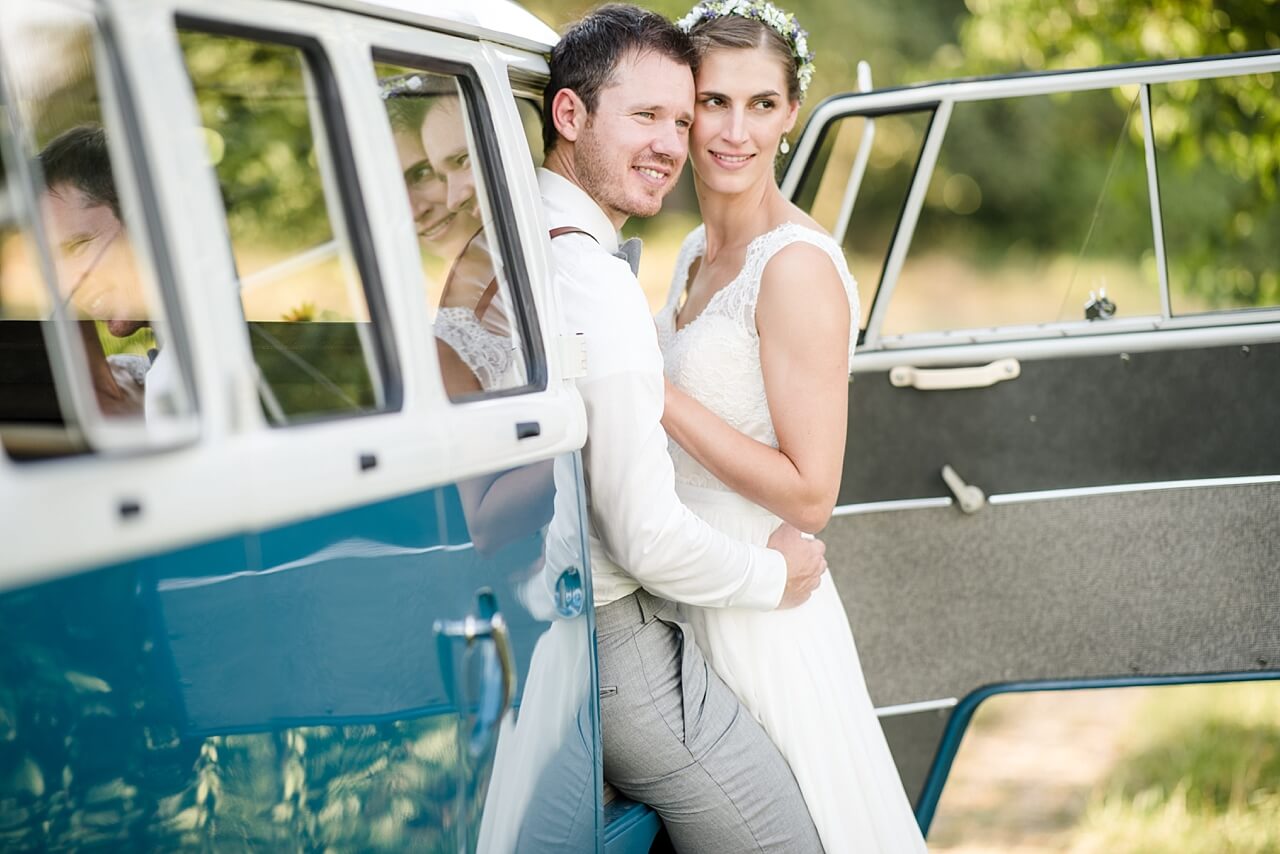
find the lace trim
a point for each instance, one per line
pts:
(737, 299)
(487, 354)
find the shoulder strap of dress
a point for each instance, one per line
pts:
(797, 232)
(684, 260)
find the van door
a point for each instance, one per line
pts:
(1061, 467)
(359, 621)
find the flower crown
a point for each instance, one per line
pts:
(782, 23)
(400, 85)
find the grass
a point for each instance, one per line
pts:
(1191, 769)
(1202, 776)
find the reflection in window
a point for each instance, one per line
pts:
(26, 378)
(1218, 161)
(1023, 238)
(1158, 769)
(91, 244)
(468, 292)
(891, 162)
(302, 294)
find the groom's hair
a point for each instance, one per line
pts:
(588, 54)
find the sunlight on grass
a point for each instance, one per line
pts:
(1191, 769)
(1203, 775)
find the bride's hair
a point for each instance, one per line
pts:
(727, 29)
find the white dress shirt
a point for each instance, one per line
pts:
(639, 533)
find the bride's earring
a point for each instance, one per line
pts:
(784, 146)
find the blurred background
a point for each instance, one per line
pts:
(1219, 146)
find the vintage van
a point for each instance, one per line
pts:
(276, 575)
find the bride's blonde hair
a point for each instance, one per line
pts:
(730, 31)
(747, 24)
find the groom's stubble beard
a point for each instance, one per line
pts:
(591, 160)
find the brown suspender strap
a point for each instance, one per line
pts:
(492, 290)
(569, 229)
(487, 297)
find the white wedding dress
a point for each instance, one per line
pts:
(796, 670)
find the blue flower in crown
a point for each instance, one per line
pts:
(782, 23)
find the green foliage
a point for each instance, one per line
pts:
(254, 99)
(1218, 142)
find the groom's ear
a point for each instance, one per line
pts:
(569, 114)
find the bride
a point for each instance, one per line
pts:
(757, 361)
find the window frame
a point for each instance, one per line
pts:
(1208, 327)
(351, 228)
(487, 157)
(86, 430)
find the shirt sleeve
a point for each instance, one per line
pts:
(636, 514)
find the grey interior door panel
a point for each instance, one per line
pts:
(1167, 582)
(1091, 421)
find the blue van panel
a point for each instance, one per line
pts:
(630, 828)
(289, 688)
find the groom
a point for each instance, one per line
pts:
(616, 121)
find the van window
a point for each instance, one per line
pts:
(1025, 238)
(893, 145)
(28, 402)
(454, 188)
(85, 252)
(1218, 174)
(307, 282)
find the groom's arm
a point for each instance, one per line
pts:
(640, 521)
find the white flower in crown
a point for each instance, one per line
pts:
(782, 23)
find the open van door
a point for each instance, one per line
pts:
(1062, 468)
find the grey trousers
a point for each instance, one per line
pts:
(676, 738)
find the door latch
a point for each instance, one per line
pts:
(970, 498)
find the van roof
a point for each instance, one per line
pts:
(501, 21)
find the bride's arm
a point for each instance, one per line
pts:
(802, 315)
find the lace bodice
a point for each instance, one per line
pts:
(488, 354)
(716, 356)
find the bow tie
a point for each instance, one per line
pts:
(629, 251)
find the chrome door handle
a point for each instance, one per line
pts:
(938, 379)
(486, 625)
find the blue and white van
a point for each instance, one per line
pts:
(275, 575)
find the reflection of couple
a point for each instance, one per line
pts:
(96, 270)
(473, 334)
(756, 337)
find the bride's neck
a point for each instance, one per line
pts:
(735, 219)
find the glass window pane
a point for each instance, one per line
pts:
(313, 338)
(449, 186)
(1034, 203)
(531, 121)
(1218, 162)
(92, 244)
(891, 161)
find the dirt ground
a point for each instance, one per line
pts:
(1026, 769)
